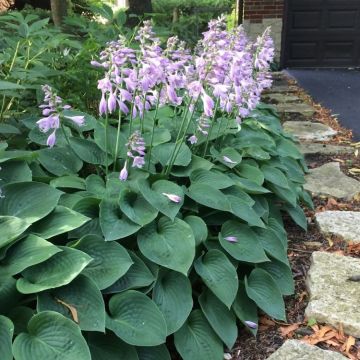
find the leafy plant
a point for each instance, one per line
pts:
(160, 221)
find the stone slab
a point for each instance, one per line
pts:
(308, 149)
(298, 350)
(281, 89)
(296, 108)
(281, 98)
(309, 131)
(333, 299)
(329, 180)
(342, 223)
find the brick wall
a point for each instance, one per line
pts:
(257, 10)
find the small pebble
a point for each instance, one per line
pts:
(227, 356)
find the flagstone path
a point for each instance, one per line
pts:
(333, 281)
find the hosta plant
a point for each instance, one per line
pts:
(158, 224)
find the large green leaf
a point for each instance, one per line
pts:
(275, 176)
(30, 201)
(163, 152)
(245, 309)
(81, 297)
(15, 171)
(110, 347)
(298, 215)
(213, 178)
(88, 151)
(136, 319)
(20, 316)
(219, 275)
(60, 221)
(209, 196)
(221, 319)
(69, 182)
(51, 336)
(262, 289)
(198, 227)
(9, 296)
(168, 243)
(6, 334)
(172, 294)
(251, 172)
(114, 224)
(138, 276)
(28, 252)
(242, 244)
(196, 340)
(159, 352)
(57, 271)
(10, 228)
(136, 208)
(282, 275)
(60, 161)
(110, 262)
(156, 195)
(196, 163)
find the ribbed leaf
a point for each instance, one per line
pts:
(208, 196)
(219, 275)
(168, 243)
(6, 334)
(198, 227)
(215, 179)
(136, 319)
(88, 151)
(10, 228)
(153, 353)
(15, 171)
(48, 332)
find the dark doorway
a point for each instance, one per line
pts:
(322, 33)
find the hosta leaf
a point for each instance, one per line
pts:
(245, 309)
(110, 262)
(247, 246)
(272, 244)
(6, 334)
(7, 85)
(219, 275)
(9, 296)
(208, 196)
(114, 224)
(15, 171)
(70, 182)
(196, 340)
(168, 243)
(215, 179)
(153, 353)
(88, 151)
(298, 215)
(248, 186)
(81, 301)
(109, 347)
(196, 163)
(48, 332)
(172, 294)
(160, 136)
(30, 201)
(28, 252)
(155, 195)
(136, 319)
(275, 176)
(8, 129)
(136, 208)
(20, 316)
(57, 271)
(251, 172)
(60, 221)
(163, 152)
(96, 185)
(10, 228)
(138, 276)
(262, 289)
(198, 227)
(229, 157)
(60, 161)
(282, 275)
(221, 319)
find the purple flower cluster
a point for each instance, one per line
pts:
(51, 109)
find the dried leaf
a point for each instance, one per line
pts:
(349, 343)
(286, 330)
(71, 308)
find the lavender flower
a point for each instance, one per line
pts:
(52, 110)
(172, 197)
(136, 149)
(250, 324)
(232, 239)
(124, 173)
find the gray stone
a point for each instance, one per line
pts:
(284, 89)
(309, 131)
(333, 299)
(281, 98)
(342, 223)
(309, 149)
(329, 180)
(296, 108)
(298, 350)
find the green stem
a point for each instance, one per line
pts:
(211, 127)
(153, 128)
(117, 141)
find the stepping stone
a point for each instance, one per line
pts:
(309, 131)
(296, 108)
(342, 223)
(281, 98)
(329, 180)
(298, 350)
(333, 299)
(309, 149)
(281, 89)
